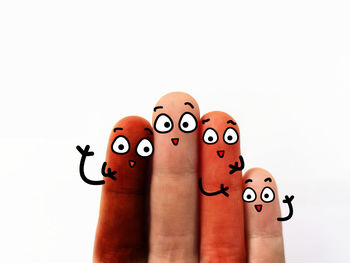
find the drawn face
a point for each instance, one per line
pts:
(176, 117)
(259, 191)
(265, 195)
(130, 147)
(175, 121)
(220, 136)
(219, 143)
(261, 205)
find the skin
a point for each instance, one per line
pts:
(221, 217)
(174, 196)
(263, 230)
(121, 234)
(173, 234)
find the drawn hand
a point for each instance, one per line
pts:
(86, 151)
(236, 167)
(287, 200)
(109, 173)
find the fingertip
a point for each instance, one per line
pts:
(222, 118)
(256, 171)
(171, 101)
(130, 122)
(259, 175)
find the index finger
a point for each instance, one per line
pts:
(121, 234)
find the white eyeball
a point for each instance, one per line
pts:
(249, 195)
(267, 195)
(120, 145)
(144, 148)
(163, 123)
(210, 136)
(230, 136)
(187, 122)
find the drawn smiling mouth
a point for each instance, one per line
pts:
(175, 141)
(132, 163)
(258, 208)
(220, 153)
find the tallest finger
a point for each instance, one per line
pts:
(173, 222)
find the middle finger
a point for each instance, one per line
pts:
(173, 193)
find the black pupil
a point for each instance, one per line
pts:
(266, 195)
(146, 149)
(229, 137)
(210, 138)
(120, 146)
(185, 124)
(167, 124)
(249, 196)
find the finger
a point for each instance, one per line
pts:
(173, 222)
(263, 230)
(221, 218)
(121, 231)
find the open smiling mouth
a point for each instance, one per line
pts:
(220, 153)
(132, 163)
(175, 141)
(258, 208)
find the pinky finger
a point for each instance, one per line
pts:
(261, 206)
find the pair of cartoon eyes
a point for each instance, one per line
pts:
(267, 195)
(210, 136)
(121, 145)
(164, 124)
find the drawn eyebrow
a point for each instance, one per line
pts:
(248, 181)
(232, 122)
(148, 129)
(189, 104)
(116, 129)
(204, 121)
(157, 107)
(268, 179)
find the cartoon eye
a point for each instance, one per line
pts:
(144, 148)
(267, 195)
(120, 145)
(249, 195)
(187, 123)
(210, 136)
(230, 136)
(163, 123)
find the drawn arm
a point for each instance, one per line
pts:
(236, 167)
(84, 154)
(221, 191)
(287, 200)
(109, 173)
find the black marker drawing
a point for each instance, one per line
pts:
(110, 173)
(236, 167)
(84, 153)
(287, 200)
(221, 191)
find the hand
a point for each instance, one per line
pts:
(181, 224)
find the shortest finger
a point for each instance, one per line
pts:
(261, 206)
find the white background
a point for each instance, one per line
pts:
(70, 69)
